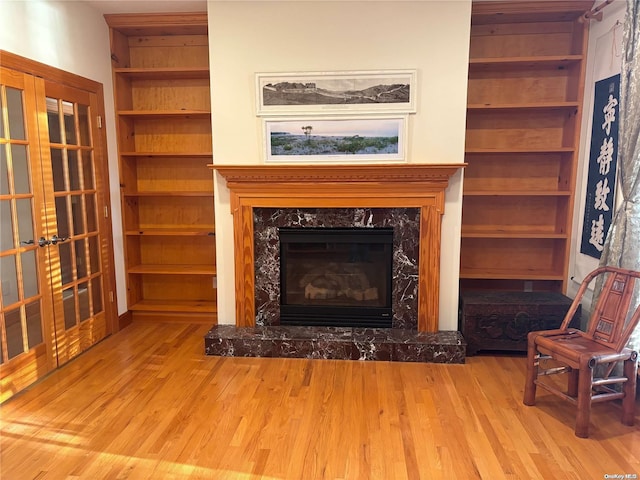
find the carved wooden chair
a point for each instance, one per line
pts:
(578, 353)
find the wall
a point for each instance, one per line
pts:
(430, 36)
(73, 37)
(249, 37)
(604, 58)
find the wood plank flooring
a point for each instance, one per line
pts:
(147, 403)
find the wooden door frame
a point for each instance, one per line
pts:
(52, 74)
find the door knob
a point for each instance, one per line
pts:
(43, 241)
(56, 239)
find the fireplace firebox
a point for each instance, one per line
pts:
(336, 276)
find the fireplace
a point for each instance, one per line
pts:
(267, 199)
(416, 185)
(336, 277)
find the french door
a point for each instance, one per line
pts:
(55, 240)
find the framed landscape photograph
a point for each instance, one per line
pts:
(388, 91)
(335, 139)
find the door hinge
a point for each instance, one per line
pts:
(106, 212)
(99, 121)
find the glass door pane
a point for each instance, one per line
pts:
(17, 258)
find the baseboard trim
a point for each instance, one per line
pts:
(125, 319)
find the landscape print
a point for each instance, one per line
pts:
(335, 139)
(336, 92)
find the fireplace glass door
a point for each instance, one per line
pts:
(336, 276)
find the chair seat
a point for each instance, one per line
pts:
(573, 348)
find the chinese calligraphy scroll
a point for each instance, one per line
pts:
(600, 195)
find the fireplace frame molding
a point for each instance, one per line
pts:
(339, 186)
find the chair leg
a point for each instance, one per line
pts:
(532, 375)
(572, 383)
(629, 389)
(585, 380)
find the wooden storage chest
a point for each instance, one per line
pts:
(494, 320)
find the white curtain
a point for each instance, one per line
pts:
(622, 246)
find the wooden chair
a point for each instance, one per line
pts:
(578, 353)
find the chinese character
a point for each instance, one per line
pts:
(597, 233)
(609, 114)
(606, 156)
(602, 190)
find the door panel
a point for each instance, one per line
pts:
(80, 319)
(26, 341)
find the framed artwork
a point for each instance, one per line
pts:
(317, 93)
(337, 139)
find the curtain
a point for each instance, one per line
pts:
(622, 245)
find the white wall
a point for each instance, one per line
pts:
(604, 58)
(74, 37)
(284, 36)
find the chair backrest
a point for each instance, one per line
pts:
(607, 322)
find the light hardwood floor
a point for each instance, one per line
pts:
(146, 403)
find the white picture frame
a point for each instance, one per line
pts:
(336, 93)
(335, 139)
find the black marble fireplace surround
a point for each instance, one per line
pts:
(406, 232)
(401, 342)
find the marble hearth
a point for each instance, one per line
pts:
(408, 197)
(336, 343)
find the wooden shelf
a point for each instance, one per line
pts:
(490, 151)
(168, 194)
(516, 193)
(176, 73)
(174, 306)
(173, 269)
(514, 107)
(168, 154)
(524, 63)
(511, 234)
(511, 274)
(170, 232)
(153, 114)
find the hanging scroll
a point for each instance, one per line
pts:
(600, 194)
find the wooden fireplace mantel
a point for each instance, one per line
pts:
(339, 186)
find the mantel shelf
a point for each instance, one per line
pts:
(346, 174)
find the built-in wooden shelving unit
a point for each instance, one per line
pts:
(526, 80)
(161, 77)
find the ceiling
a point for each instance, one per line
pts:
(147, 6)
